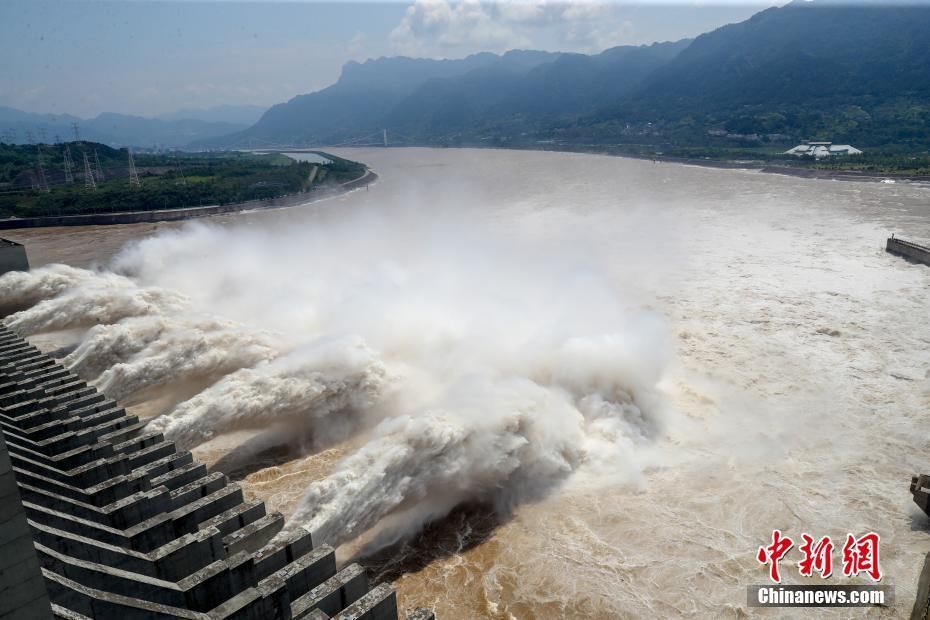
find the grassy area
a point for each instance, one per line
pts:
(172, 180)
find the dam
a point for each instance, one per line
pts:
(101, 518)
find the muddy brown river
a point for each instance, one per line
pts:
(540, 385)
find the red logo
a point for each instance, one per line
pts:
(860, 555)
(817, 557)
(774, 553)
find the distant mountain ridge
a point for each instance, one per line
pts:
(116, 129)
(422, 96)
(850, 71)
(232, 114)
(854, 72)
(365, 94)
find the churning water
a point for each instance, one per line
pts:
(531, 385)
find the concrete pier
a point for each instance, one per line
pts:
(920, 490)
(102, 519)
(907, 249)
(12, 257)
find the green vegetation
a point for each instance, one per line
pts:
(169, 181)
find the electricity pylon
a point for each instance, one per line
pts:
(183, 180)
(88, 175)
(40, 171)
(69, 164)
(133, 173)
(98, 167)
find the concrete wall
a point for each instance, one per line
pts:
(22, 587)
(125, 527)
(908, 250)
(12, 257)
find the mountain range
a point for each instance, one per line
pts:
(855, 72)
(171, 130)
(850, 71)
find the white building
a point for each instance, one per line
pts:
(822, 149)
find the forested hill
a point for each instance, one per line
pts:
(855, 73)
(849, 72)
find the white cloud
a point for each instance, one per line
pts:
(445, 28)
(442, 28)
(434, 26)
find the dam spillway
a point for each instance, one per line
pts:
(125, 526)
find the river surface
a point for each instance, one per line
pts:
(792, 363)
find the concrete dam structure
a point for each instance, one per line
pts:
(101, 518)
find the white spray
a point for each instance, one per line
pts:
(193, 350)
(299, 390)
(490, 366)
(106, 299)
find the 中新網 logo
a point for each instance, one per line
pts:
(860, 555)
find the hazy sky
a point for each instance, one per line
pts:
(151, 57)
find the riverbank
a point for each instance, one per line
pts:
(757, 165)
(801, 172)
(167, 215)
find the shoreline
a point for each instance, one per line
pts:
(799, 172)
(755, 165)
(186, 213)
(751, 165)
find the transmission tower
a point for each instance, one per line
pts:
(177, 162)
(40, 172)
(98, 167)
(77, 131)
(43, 182)
(57, 138)
(384, 135)
(88, 175)
(29, 138)
(42, 135)
(133, 173)
(69, 165)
